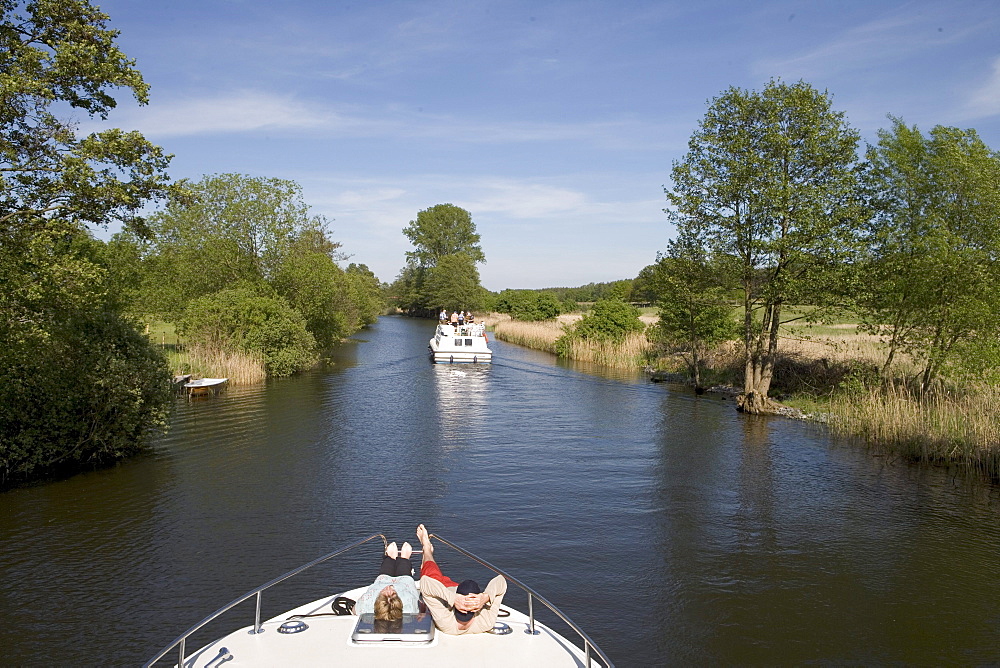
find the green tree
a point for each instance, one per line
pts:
(441, 270)
(695, 314)
(335, 303)
(769, 188)
(318, 289)
(544, 306)
(528, 305)
(453, 283)
(406, 292)
(619, 290)
(234, 228)
(55, 54)
(58, 58)
(366, 294)
(643, 285)
(259, 233)
(442, 230)
(931, 270)
(593, 292)
(79, 385)
(609, 320)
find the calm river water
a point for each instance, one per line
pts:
(673, 529)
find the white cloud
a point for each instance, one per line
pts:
(253, 110)
(239, 111)
(985, 100)
(520, 199)
(871, 45)
(365, 197)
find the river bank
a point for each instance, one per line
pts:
(829, 375)
(631, 353)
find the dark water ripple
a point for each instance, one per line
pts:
(674, 530)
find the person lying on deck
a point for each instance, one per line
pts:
(394, 591)
(457, 607)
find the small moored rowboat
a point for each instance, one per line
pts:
(205, 385)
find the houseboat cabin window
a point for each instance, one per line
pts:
(468, 342)
(458, 342)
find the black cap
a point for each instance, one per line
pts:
(466, 587)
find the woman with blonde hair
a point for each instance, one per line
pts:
(394, 591)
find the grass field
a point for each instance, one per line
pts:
(163, 333)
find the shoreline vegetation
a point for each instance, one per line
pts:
(826, 373)
(631, 352)
(204, 362)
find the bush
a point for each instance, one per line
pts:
(610, 321)
(319, 291)
(246, 320)
(528, 305)
(85, 394)
(366, 294)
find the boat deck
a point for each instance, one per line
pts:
(327, 641)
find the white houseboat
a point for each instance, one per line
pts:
(460, 344)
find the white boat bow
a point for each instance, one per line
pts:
(311, 635)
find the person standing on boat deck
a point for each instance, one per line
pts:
(454, 318)
(444, 315)
(457, 607)
(394, 591)
(461, 318)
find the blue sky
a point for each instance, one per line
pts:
(554, 123)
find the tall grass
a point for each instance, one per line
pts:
(537, 335)
(938, 427)
(848, 346)
(240, 368)
(205, 361)
(629, 353)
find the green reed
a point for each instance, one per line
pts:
(942, 426)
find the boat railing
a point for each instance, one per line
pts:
(181, 641)
(588, 644)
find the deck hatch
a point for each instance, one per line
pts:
(414, 628)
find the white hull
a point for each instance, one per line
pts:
(451, 357)
(460, 345)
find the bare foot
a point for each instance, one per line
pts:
(422, 534)
(406, 551)
(392, 551)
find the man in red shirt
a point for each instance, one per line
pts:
(457, 607)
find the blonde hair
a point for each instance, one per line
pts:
(388, 609)
(385, 626)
